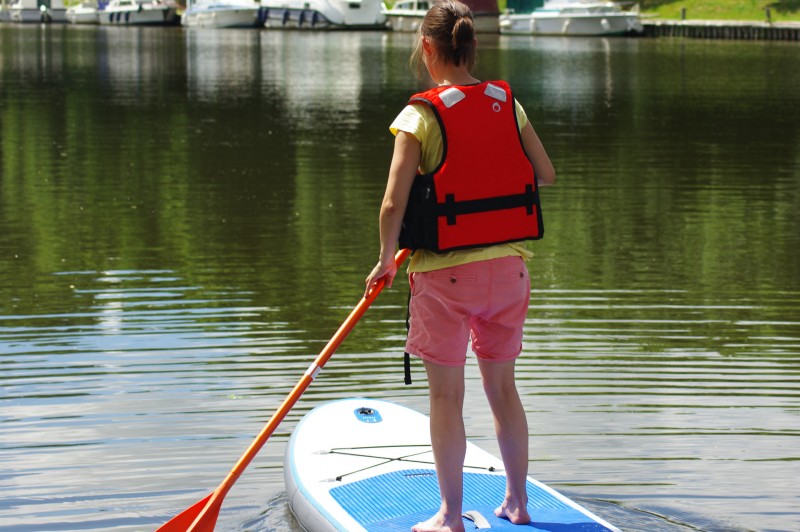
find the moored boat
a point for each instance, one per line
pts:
(138, 12)
(323, 14)
(221, 14)
(565, 17)
(407, 15)
(83, 13)
(26, 11)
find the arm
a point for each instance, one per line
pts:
(403, 170)
(542, 167)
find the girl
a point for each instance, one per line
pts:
(461, 192)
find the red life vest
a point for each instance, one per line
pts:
(484, 191)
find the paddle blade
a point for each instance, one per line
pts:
(183, 521)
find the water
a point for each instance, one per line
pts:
(187, 216)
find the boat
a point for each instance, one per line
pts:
(323, 14)
(26, 11)
(569, 17)
(138, 12)
(221, 14)
(407, 15)
(364, 464)
(83, 13)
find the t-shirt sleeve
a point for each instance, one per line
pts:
(522, 118)
(410, 120)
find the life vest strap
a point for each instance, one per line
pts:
(452, 208)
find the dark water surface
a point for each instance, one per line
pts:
(187, 216)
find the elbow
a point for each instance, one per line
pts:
(389, 209)
(546, 178)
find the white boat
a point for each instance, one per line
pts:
(323, 14)
(407, 15)
(564, 17)
(138, 12)
(26, 11)
(83, 13)
(221, 14)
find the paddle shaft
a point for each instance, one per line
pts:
(214, 502)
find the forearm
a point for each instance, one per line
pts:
(391, 221)
(401, 175)
(542, 167)
(402, 172)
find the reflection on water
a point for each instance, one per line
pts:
(186, 216)
(221, 65)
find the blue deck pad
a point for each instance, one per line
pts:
(399, 500)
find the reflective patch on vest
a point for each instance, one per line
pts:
(451, 96)
(493, 91)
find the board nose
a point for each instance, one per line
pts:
(367, 414)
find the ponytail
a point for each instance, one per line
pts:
(451, 28)
(462, 41)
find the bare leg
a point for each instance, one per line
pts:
(449, 442)
(511, 426)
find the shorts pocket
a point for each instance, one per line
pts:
(414, 284)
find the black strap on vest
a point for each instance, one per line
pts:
(406, 356)
(452, 208)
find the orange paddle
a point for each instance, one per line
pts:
(202, 516)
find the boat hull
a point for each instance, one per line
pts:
(547, 24)
(82, 16)
(229, 17)
(139, 17)
(407, 21)
(323, 14)
(32, 16)
(82, 19)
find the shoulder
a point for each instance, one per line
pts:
(414, 118)
(522, 117)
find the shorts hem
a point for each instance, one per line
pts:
(434, 360)
(496, 358)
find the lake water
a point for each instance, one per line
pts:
(186, 217)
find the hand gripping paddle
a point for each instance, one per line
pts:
(202, 515)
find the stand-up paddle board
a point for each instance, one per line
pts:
(366, 465)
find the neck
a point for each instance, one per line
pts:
(454, 75)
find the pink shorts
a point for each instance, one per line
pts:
(485, 301)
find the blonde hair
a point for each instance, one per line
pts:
(450, 27)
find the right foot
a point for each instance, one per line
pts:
(517, 514)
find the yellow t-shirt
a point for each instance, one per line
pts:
(420, 121)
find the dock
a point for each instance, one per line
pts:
(722, 29)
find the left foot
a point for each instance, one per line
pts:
(437, 523)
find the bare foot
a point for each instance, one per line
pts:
(516, 513)
(438, 523)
